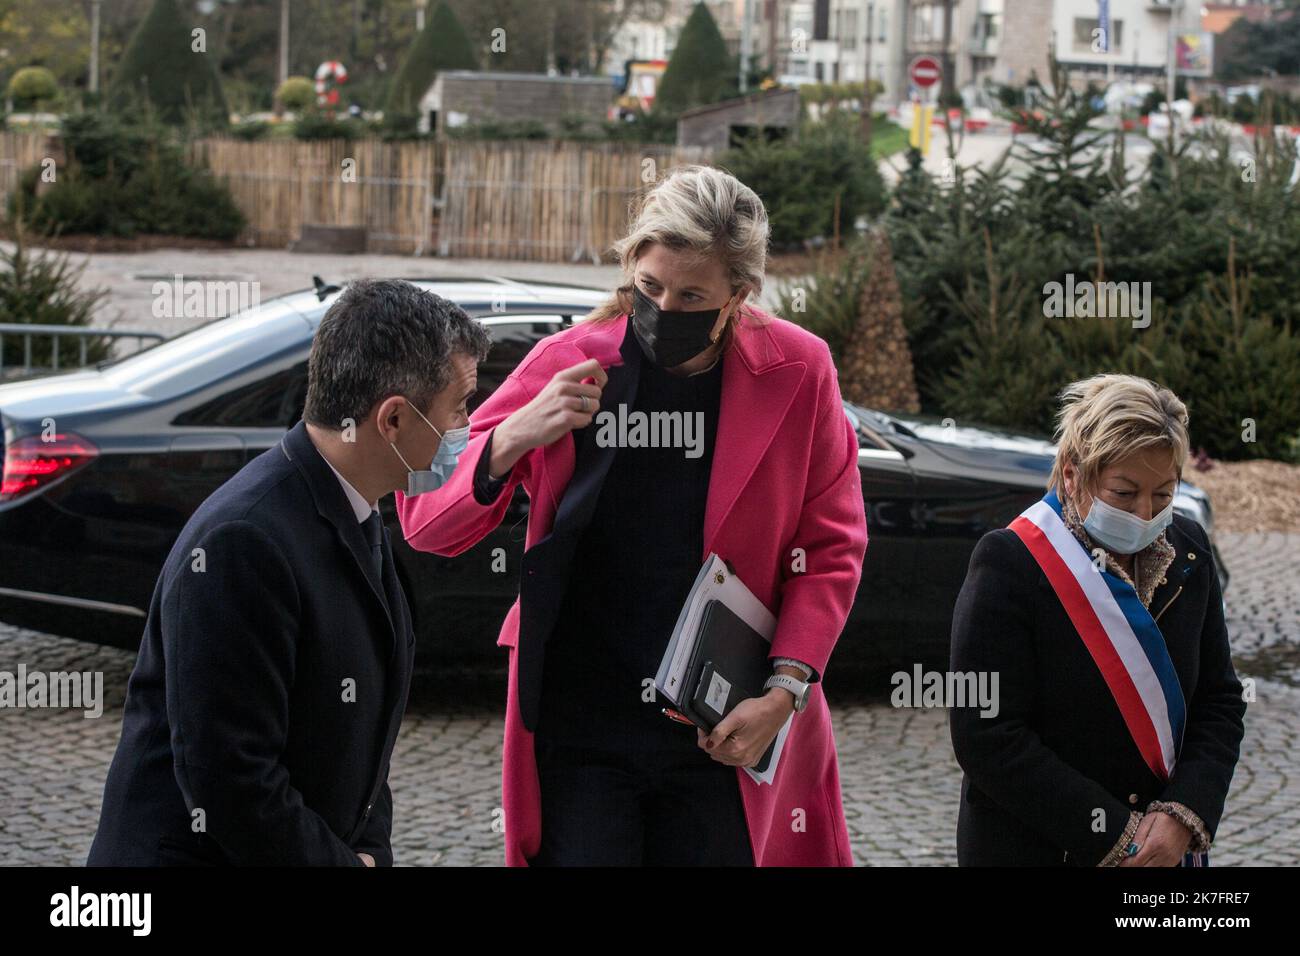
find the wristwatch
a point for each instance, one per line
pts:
(796, 687)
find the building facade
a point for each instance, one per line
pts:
(1140, 35)
(987, 41)
(1008, 41)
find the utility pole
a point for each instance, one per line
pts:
(284, 40)
(744, 46)
(1175, 14)
(948, 79)
(867, 99)
(550, 41)
(92, 82)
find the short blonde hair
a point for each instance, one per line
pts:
(706, 212)
(1106, 418)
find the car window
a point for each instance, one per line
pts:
(866, 437)
(512, 339)
(275, 401)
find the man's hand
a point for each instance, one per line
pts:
(1162, 841)
(366, 859)
(555, 411)
(742, 737)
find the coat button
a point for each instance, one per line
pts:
(1164, 580)
(1132, 798)
(1191, 555)
(369, 807)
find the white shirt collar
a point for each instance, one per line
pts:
(360, 507)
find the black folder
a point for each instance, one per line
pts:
(728, 664)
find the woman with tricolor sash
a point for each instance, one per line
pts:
(1119, 717)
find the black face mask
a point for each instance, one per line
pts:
(670, 338)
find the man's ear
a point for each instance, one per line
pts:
(389, 413)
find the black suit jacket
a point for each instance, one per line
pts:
(270, 684)
(1051, 779)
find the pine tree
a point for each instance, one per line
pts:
(1243, 391)
(161, 72)
(699, 70)
(876, 368)
(826, 301)
(1009, 371)
(441, 45)
(1068, 175)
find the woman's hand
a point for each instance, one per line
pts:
(1162, 841)
(742, 737)
(555, 411)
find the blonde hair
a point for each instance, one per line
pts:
(1106, 418)
(707, 213)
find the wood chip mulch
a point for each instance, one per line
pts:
(1250, 495)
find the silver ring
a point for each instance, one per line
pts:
(584, 402)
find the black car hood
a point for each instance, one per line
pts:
(983, 446)
(1013, 456)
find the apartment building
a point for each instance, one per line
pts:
(1141, 32)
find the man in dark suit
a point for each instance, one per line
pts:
(275, 663)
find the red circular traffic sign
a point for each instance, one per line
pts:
(925, 71)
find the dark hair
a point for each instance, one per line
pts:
(385, 337)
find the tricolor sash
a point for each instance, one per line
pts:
(1119, 632)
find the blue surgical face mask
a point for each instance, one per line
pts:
(450, 447)
(1122, 532)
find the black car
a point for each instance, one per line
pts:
(103, 467)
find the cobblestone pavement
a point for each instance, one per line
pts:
(899, 779)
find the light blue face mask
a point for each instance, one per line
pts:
(450, 447)
(1122, 532)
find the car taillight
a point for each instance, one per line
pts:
(32, 463)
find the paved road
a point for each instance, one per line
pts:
(982, 150)
(128, 278)
(899, 779)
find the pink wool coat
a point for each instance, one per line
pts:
(784, 507)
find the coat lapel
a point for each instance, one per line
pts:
(1188, 557)
(592, 461)
(333, 506)
(758, 386)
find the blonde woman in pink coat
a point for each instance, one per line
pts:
(765, 475)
